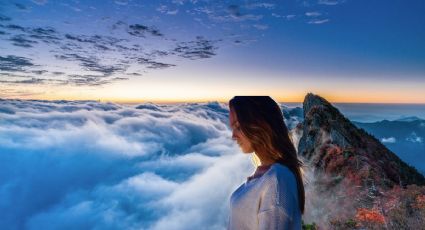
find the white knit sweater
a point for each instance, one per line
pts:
(266, 202)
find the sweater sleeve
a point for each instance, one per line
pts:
(276, 206)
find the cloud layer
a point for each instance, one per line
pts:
(88, 165)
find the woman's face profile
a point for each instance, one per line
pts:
(238, 135)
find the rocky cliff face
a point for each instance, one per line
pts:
(353, 177)
(332, 143)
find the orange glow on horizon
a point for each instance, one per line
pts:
(189, 93)
(282, 99)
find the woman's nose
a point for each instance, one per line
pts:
(233, 135)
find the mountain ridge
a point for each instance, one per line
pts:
(326, 130)
(353, 180)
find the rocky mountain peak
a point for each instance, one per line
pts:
(336, 146)
(311, 100)
(352, 180)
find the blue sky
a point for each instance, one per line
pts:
(188, 50)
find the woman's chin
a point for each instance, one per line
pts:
(246, 151)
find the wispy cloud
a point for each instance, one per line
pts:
(265, 5)
(315, 17)
(413, 137)
(231, 13)
(287, 17)
(7, 92)
(126, 50)
(331, 2)
(318, 21)
(97, 54)
(121, 2)
(313, 14)
(124, 46)
(39, 2)
(261, 26)
(166, 10)
(388, 140)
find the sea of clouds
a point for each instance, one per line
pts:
(91, 165)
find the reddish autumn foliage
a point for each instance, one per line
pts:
(369, 215)
(420, 201)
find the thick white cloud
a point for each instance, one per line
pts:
(85, 165)
(90, 165)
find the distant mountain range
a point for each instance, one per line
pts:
(406, 137)
(354, 181)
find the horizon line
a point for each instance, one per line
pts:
(201, 101)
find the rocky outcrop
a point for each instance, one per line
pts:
(352, 180)
(333, 144)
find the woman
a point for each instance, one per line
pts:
(273, 197)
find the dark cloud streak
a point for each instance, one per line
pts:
(15, 27)
(86, 80)
(234, 10)
(92, 64)
(198, 49)
(12, 63)
(4, 18)
(140, 30)
(20, 6)
(47, 35)
(21, 41)
(153, 64)
(31, 81)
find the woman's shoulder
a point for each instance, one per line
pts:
(279, 184)
(280, 173)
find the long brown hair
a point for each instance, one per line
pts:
(261, 121)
